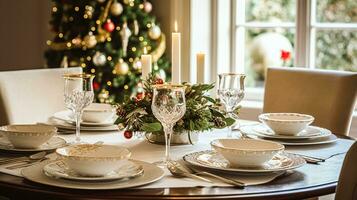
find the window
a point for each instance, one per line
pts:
(307, 33)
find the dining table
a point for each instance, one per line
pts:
(309, 180)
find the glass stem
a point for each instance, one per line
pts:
(168, 132)
(78, 126)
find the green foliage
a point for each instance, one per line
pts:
(202, 112)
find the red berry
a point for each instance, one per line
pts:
(140, 96)
(128, 134)
(109, 26)
(159, 81)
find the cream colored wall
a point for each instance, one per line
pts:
(23, 33)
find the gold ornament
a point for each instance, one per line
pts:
(154, 32)
(90, 41)
(125, 33)
(116, 9)
(99, 59)
(121, 67)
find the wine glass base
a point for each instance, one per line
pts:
(161, 164)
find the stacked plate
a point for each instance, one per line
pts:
(311, 135)
(90, 166)
(248, 156)
(96, 117)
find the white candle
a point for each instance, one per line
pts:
(176, 56)
(146, 65)
(200, 61)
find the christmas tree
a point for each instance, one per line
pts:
(107, 38)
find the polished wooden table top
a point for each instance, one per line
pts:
(307, 181)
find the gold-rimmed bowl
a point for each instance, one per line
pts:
(93, 159)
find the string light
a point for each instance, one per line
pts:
(149, 48)
(114, 72)
(85, 16)
(118, 28)
(89, 58)
(109, 83)
(71, 19)
(133, 49)
(83, 65)
(141, 38)
(126, 87)
(131, 4)
(97, 22)
(69, 44)
(131, 59)
(141, 6)
(145, 43)
(109, 39)
(148, 25)
(109, 58)
(92, 70)
(48, 42)
(60, 35)
(76, 8)
(92, 28)
(54, 9)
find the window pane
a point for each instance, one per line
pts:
(336, 50)
(336, 11)
(267, 48)
(270, 10)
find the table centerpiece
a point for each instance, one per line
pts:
(202, 113)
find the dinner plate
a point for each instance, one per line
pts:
(311, 132)
(65, 116)
(324, 140)
(59, 169)
(212, 160)
(51, 144)
(151, 174)
(66, 126)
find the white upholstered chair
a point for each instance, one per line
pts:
(30, 96)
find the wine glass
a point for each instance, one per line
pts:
(78, 94)
(231, 93)
(168, 106)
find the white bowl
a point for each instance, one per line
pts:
(286, 123)
(246, 152)
(98, 112)
(28, 136)
(93, 160)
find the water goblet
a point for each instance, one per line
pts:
(168, 106)
(231, 93)
(78, 94)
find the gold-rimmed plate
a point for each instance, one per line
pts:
(52, 144)
(212, 160)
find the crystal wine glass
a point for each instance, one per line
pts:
(78, 94)
(231, 93)
(168, 106)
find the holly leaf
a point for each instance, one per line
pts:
(229, 121)
(151, 127)
(209, 99)
(216, 113)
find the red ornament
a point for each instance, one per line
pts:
(285, 55)
(128, 134)
(109, 26)
(96, 86)
(159, 81)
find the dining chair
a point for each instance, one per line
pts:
(329, 96)
(347, 182)
(30, 96)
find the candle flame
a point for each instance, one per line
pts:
(145, 50)
(175, 26)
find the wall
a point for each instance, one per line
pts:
(23, 33)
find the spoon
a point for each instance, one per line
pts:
(35, 156)
(195, 172)
(177, 170)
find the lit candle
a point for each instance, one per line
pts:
(200, 59)
(146, 64)
(176, 56)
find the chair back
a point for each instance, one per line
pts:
(329, 96)
(347, 182)
(30, 96)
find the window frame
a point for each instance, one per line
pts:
(305, 26)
